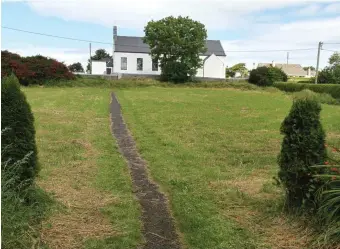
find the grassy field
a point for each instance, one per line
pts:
(214, 152)
(83, 170)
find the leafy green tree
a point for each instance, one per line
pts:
(98, 55)
(76, 67)
(176, 42)
(331, 73)
(241, 68)
(334, 59)
(229, 73)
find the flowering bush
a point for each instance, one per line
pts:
(33, 69)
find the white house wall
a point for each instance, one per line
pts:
(98, 67)
(132, 63)
(214, 66)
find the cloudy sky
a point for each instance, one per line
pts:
(248, 25)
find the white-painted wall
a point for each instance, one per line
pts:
(132, 63)
(98, 67)
(213, 68)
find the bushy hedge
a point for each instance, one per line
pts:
(330, 75)
(332, 89)
(303, 146)
(33, 69)
(19, 139)
(266, 76)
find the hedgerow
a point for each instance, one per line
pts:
(33, 69)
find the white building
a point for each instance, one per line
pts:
(132, 56)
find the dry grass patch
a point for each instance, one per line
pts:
(82, 218)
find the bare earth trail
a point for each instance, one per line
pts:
(158, 225)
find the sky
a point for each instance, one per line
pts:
(240, 25)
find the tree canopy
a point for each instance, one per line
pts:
(334, 59)
(98, 55)
(176, 43)
(239, 67)
(331, 73)
(311, 68)
(76, 67)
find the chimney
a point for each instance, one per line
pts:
(114, 34)
(273, 63)
(114, 46)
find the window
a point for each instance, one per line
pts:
(139, 64)
(154, 65)
(123, 63)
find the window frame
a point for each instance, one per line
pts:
(154, 62)
(142, 62)
(121, 63)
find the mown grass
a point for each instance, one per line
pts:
(213, 151)
(83, 171)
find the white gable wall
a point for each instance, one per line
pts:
(213, 68)
(98, 67)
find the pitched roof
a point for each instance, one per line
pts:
(133, 44)
(289, 69)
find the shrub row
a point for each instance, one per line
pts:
(33, 69)
(266, 76)
(332, 89)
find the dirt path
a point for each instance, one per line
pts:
(158, 225)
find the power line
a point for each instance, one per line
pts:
(110, 43)
(274, 50)
(333, 43)
(330, 50)
(55, 36)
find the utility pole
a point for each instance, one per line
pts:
(90, 60)
(287, 58)
(317, 63)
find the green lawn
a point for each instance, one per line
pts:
(82, 168)
(214, 152)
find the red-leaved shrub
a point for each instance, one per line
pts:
(33, 69)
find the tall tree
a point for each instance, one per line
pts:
(76, 67)
(98, 55)
(241, 68)
(176, 43)
(334, 59)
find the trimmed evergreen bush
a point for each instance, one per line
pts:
(303, 146)
(266, 76)
(19, 139)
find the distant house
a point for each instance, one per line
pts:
(132, 57)
(292, 70)
(103, 66)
